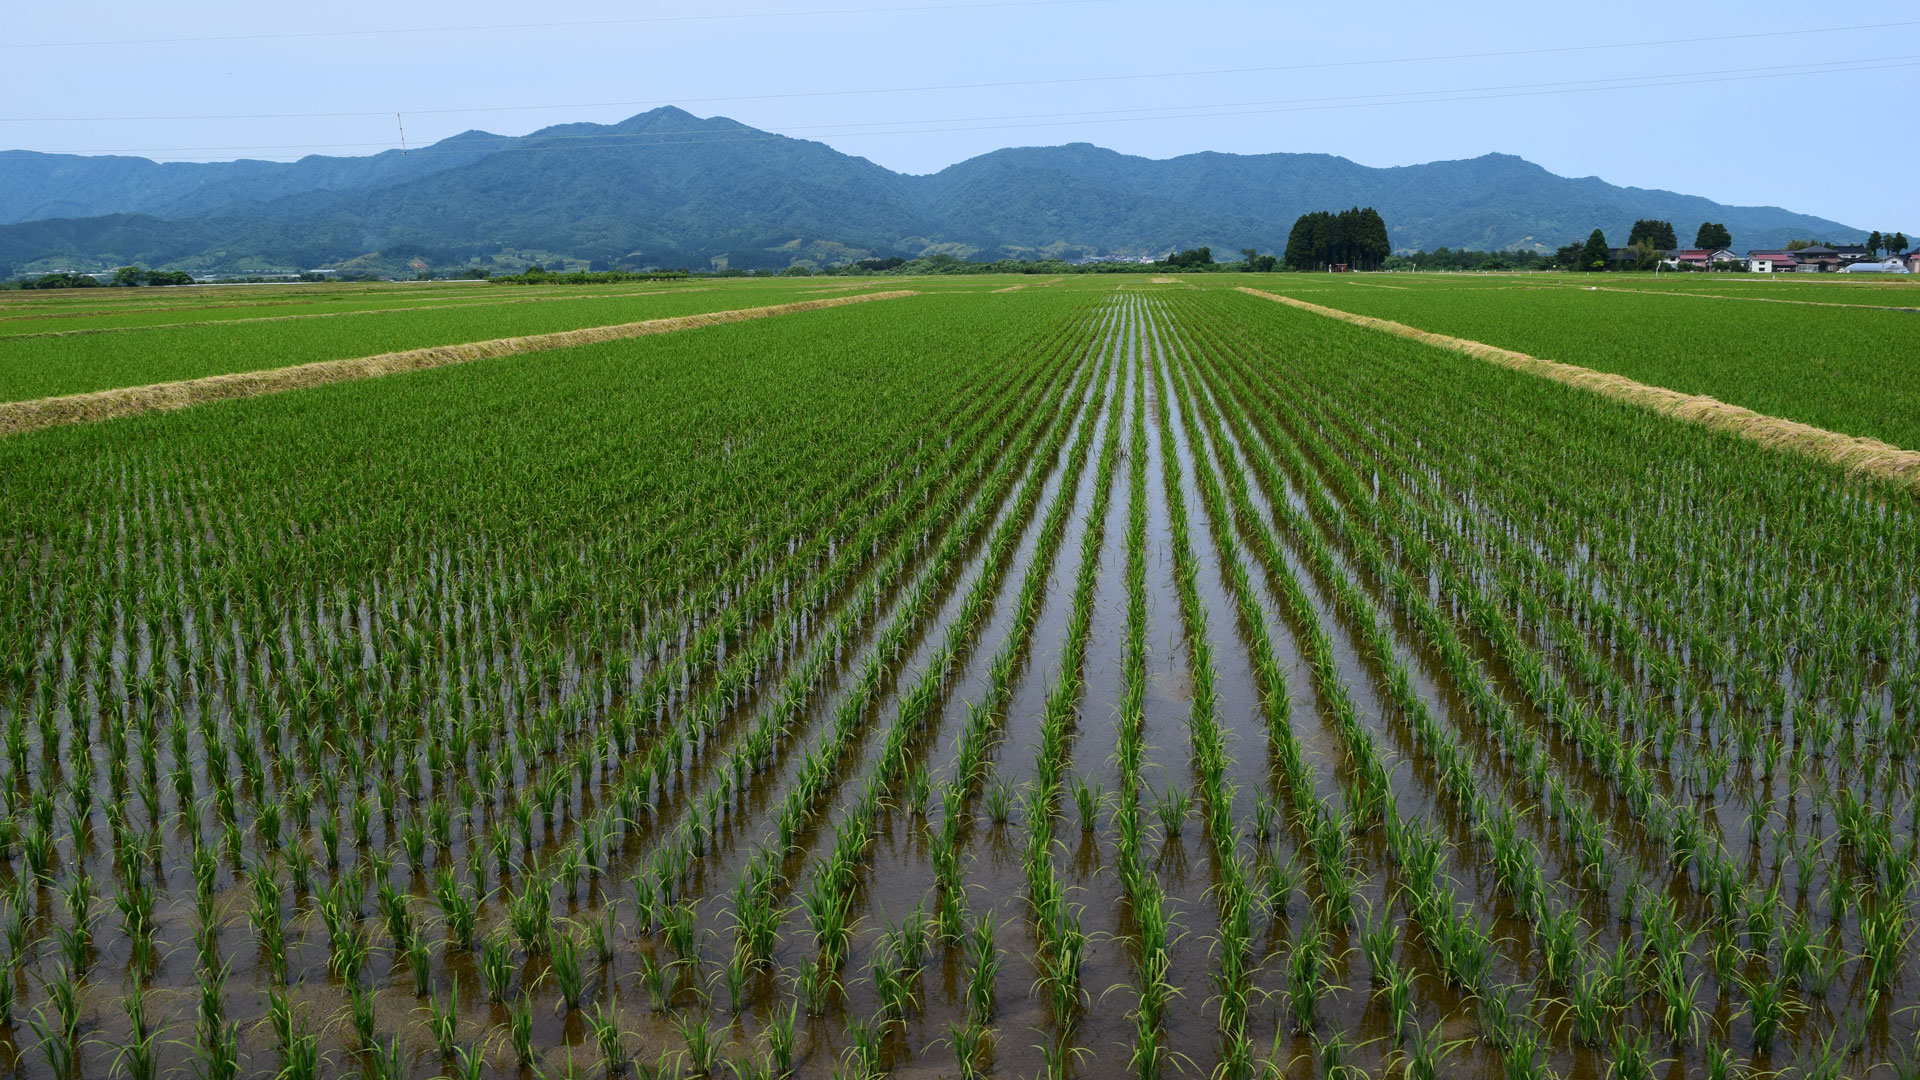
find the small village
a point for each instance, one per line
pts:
(1815, 259)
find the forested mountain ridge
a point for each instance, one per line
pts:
(666, 188)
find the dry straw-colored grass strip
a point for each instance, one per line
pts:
(1010, 288)
(19, 417)
(1869, 457)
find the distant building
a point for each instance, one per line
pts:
(1819, 259)
(1772, 262)
(1913, 260)
(1891, 264)
(1700, 258)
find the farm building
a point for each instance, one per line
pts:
(1700, 258)
(1819, 259)
(1891, 264)
(1771, 262)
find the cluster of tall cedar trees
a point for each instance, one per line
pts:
(1357, 237)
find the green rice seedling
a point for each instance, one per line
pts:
(529, 915)
(443, 1020)
(1559, 945)
(1304, 981)
(458, 908)
(779, 1035)
(984, 958)
(218, 1052)
(520, 1029)
(568, 968)
(1498, 1013)
(658, 980)
(496, 966)
(1587, 1007)
(678, 925)
(1723, 1065)
(420, 962)
(1088, 799)
(1171, 807)
(1678, 1005)
(919, 791)
(75, 946)
(1266, 818)
(1057, 1057)
(1379, 943)
(361, 1016)
(386, 1060)
(469, 1063)
(1523, 1059)
(60, 1049)
(1330, 1054)
(702, 1047)
(604, 1023)
(999, 802)
(733, 976)
(1282, 879)
(1424, 1055)
(1631, 1055)
(864, 1048)
(752, 1068)
(1396, 990)
(1768, 1007)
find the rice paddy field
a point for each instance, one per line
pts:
(1096, 677)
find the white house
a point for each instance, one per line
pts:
(1771, 262)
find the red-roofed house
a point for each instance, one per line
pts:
(1771, 262)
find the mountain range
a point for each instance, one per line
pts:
(666, 188)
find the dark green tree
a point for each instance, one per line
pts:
(127, 276)
(1190, 258)
(1357, 237)
(1594, 255)
(1898, 245)
(1874, 240)
(1712, 237)
(1254, 262)
(1566, 258)
(1653, 232)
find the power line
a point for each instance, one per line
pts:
(646, 20)
(1010, 84)
(603, 140)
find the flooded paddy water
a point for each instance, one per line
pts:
(1193, 688)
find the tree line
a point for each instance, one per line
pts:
(1356, 237)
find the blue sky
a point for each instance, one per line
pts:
(916, 86)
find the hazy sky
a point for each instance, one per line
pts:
(916, 86)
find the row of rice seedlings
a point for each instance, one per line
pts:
(1146, 900)
(836, 872)
(761, 884)
(267, 925)
(1057, 921)
(1867, 830)
(1460, 944)
(1884, 935)
(756, 908)
(1667, 965)
(1233, 947)
(971, 767)
(1715, 586)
